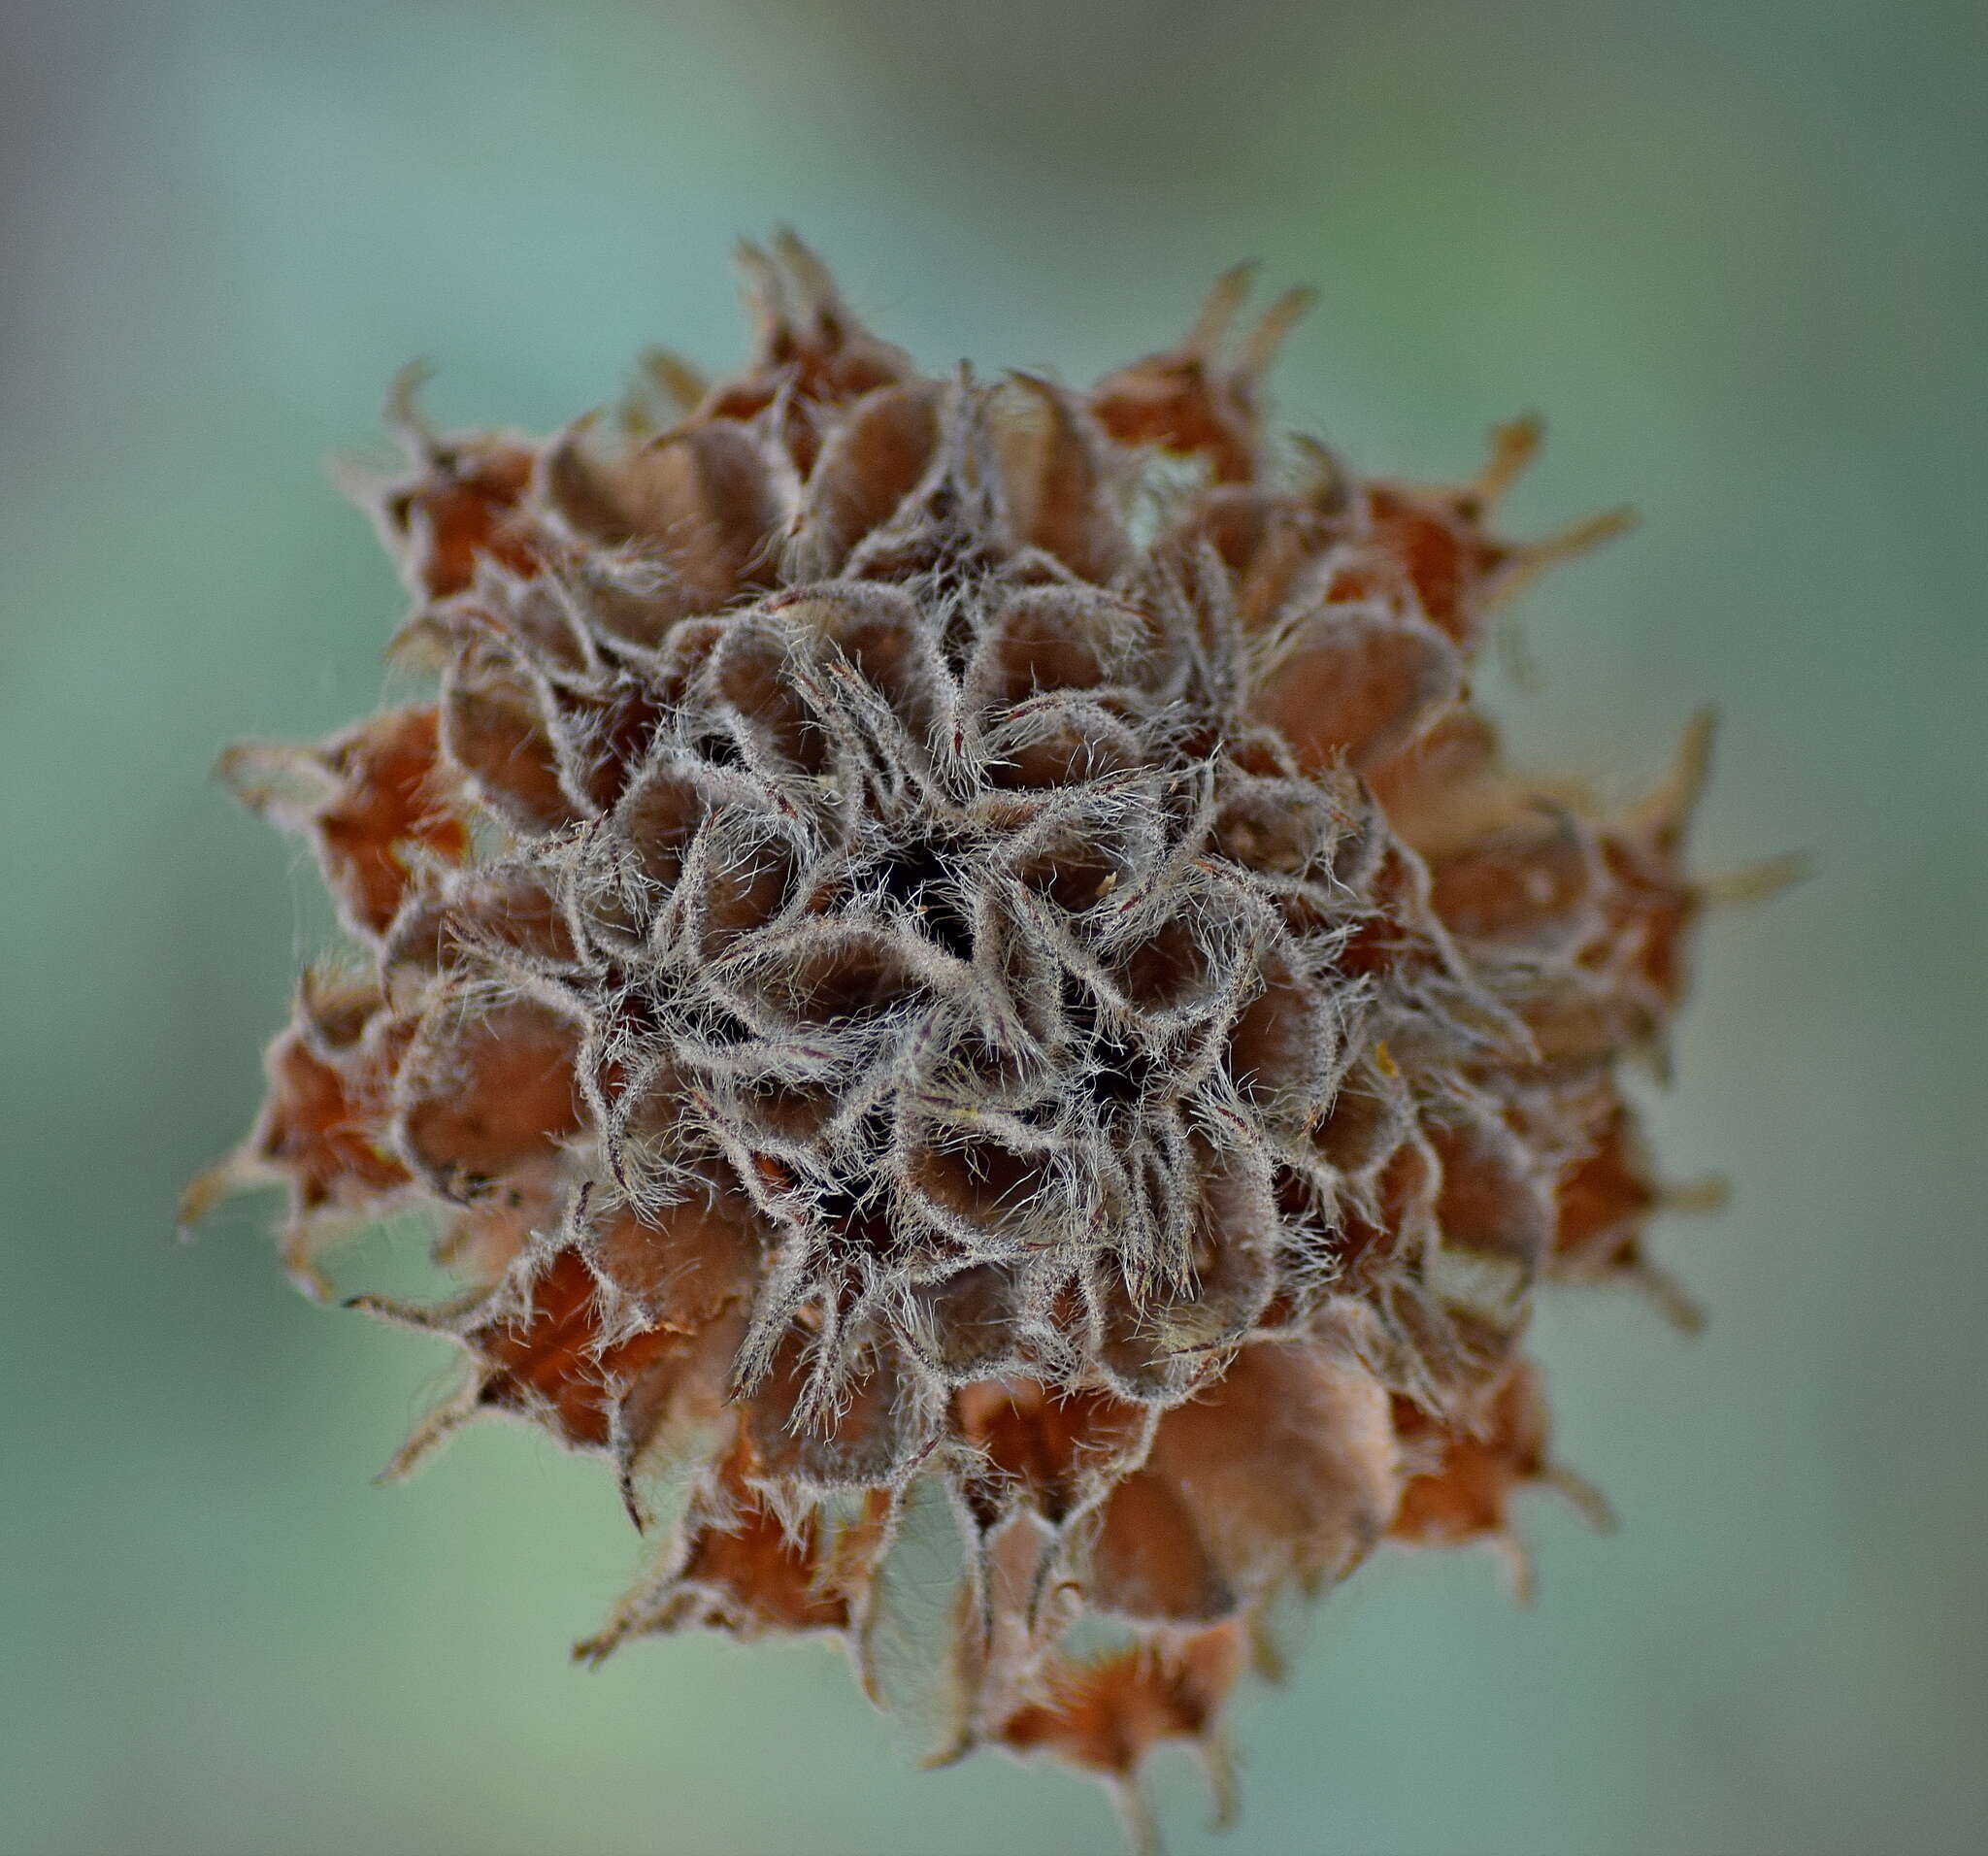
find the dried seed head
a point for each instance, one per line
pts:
(889, 981)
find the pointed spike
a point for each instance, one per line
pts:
(1528, 560)
(399, 1314)
(1521, 1575)
(362, 484)
(1261, 344)
(301, 1265)
(763, 290)
(1219, 311)
(1265, 1654)
(439, 1425)
(1513, 447)
(631, 1503)
(818, 290)
(1135, 1814)
(948, 1753)
(595, 1650)
(311, 1283)
(231, 1174)
(1043, 389)
(1593, 1507)
(679, 383)
(1666, 810)
(1581, 537)
(324, 984)
(276, 780)
(1760, 882)
(861, 1644)
(420, 645)
(403, 417)
(1696, 1197)
(1218, 1768)
(1324, 477)
(1672, 1298)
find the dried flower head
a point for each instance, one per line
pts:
(921, 952)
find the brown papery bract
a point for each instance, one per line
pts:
(897, 973)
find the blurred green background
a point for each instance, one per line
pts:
(1733, 250)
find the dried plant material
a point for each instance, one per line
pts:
(897, 988)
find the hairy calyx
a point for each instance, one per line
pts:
(914, 952)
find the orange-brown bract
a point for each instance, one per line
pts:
(914, 951)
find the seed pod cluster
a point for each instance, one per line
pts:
(963, 943)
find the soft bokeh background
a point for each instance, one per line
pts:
(1733, 247)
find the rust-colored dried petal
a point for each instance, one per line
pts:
(874, 460)
(461, 510)
(1286, 1466)
(1443, 555)
(498, 729)
(488, 1095)
(740, 1567)
(1187, 399)
(550, 1357)
(701, 498)
(1351, 682)
(325, 1127)
(507, 912)
(1497, 1193)
(855, 1434)
(1052, 1451)
(1475, 1466)
(376, 801)
(1057, 469)
(811, 348)
(1104, 1715)
(686, 1262)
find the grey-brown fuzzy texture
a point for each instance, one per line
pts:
(915, 949)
